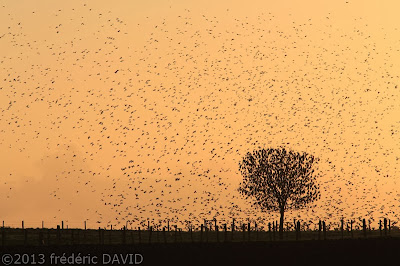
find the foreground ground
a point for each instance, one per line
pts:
(373, 251)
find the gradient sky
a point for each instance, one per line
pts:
(134, 110)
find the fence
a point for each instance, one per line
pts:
(210, 231)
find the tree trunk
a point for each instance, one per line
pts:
(281, 224)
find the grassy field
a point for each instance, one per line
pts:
(45, 237)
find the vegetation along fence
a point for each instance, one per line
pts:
(210, 231)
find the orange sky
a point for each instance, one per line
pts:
(100, 98)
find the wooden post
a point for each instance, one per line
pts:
(324, 228)
(140, 236)
(298, 229)
(151, 231)
(341, 226)
(85, 225)
(273, 230)
(389, 226)
(168, 225)
(58, 234)
(248, 230)
(176, 233)
(201, 232)
(217, 232)
(351, 228)
(244, 232)
(124, 236)
(148, 225)
(380, 228)
(206, 231)
(165, 235)
(62, 225)
(269, 231)
(226, 233)
(233, 227)
(22, 224)
(364, 228)
(385, 225)
(111, 228)
(319, 229)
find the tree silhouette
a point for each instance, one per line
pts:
(278, 180)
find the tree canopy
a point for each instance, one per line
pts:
(278, 179)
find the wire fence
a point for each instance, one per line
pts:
(209, 231)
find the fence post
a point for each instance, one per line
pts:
(298, 229)
(249, 231)
(233, 227)
(226, 233)
(22, 224)
(85, 225)
(273, 230)
(364, 228)
(217, 232)
(351, 228)
(62, 225)
(389, 227)
(385, 226)
(165, 235)
(124, 236)
(319, 229)
(206, 231)
(201, 232)
(255, 228)
(269, 231)
(244, 232)
(168, 225)
(341, 226)
(176, 233)
(324, 228)
(58, 234)
(380, 228)
(151, 230)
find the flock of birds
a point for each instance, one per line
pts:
(154, 130)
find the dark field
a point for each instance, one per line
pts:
(177, 248)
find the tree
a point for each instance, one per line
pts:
(278, 180)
